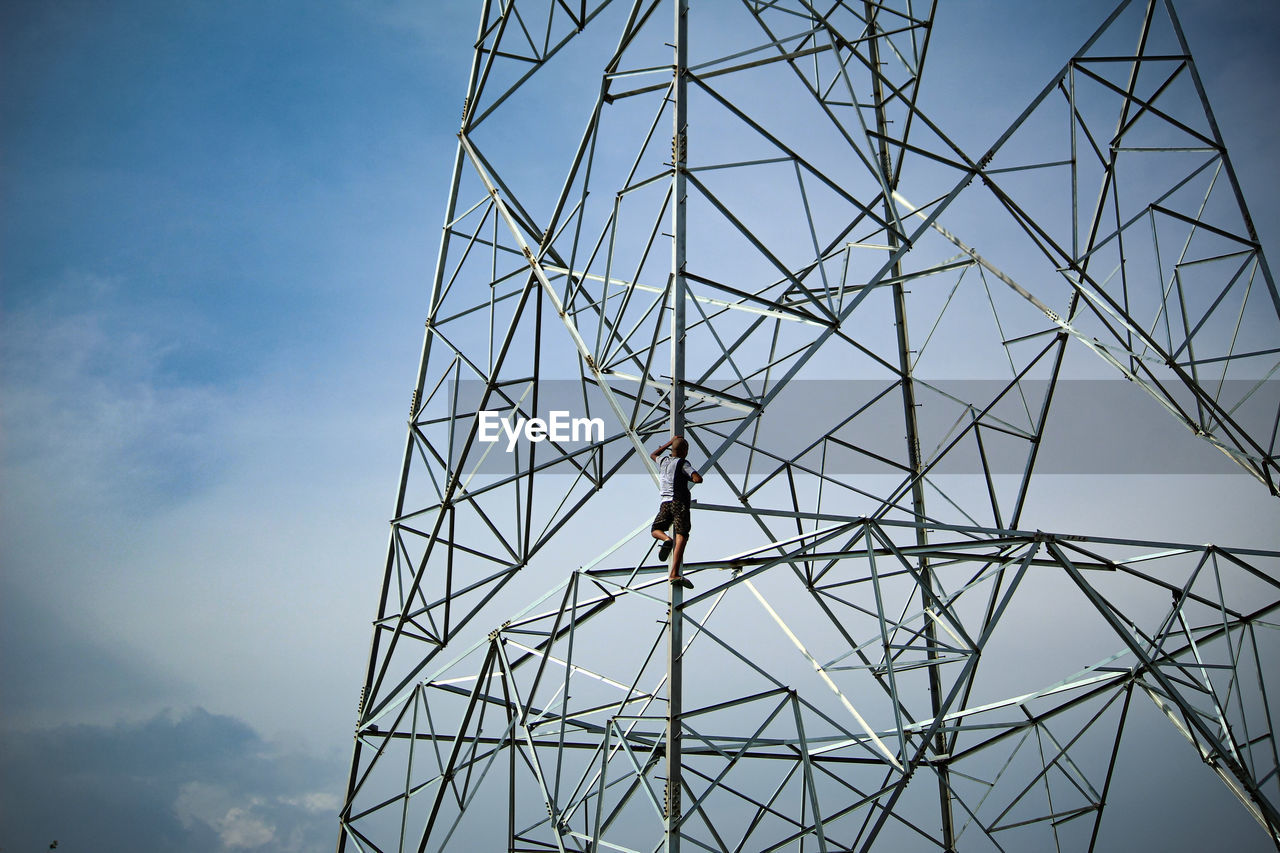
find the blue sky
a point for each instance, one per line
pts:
(218, 226)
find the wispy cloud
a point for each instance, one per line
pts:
(91, 410)
(168, 541)
(421, 22)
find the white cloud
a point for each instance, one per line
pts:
(236, 823)
(193, 781)
(316, 801)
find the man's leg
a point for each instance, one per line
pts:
(661, 522)
(664, 550)
(680, 529)
(677, 554)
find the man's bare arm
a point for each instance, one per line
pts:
(655, 454)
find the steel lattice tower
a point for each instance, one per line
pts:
(684, 220)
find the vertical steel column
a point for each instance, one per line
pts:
(675, 638)
(913, 435)
(679, 151)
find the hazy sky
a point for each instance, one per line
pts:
(217, 226)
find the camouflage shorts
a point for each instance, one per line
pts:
(673, 511)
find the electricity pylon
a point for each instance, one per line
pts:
(737, 221)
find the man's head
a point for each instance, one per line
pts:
(679, 447)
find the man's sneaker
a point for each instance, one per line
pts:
(682, 581)
(664, 550)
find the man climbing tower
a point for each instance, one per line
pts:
(674, 476)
